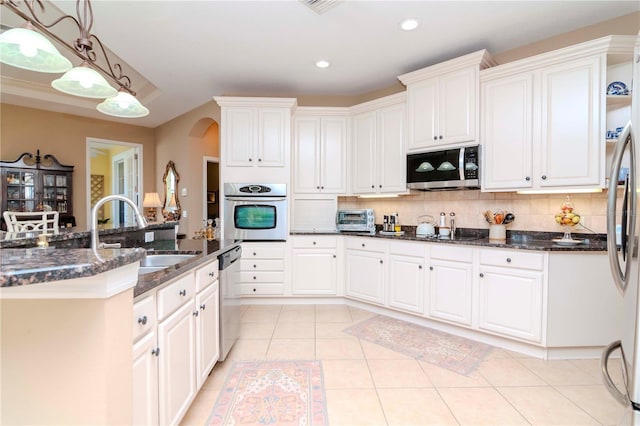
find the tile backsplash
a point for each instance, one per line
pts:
(533, 212)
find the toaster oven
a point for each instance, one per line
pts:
(356, 220)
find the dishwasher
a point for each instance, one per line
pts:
(229, 265)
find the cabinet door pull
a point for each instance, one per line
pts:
(254, 290)
(419, 266)
(195, 313)
(362, 244)
(528, 178)
(250, 159)
(317, 187)
(142, 320)
(203, 306)
(373, 186)
(155, 351)
(211, 274)
(440, 137)
(259, 159)
(381, 261)
(254, 277)
(435, 138)
(544, 177)
(314, 243)
(183, 292)
(431, 268)
(508, 260)
(481, 275)
(334, 256)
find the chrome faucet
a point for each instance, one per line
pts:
(95, 243)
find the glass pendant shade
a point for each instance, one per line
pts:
(123, 105)
(84, 81)
(30, 50)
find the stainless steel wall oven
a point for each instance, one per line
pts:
(255, 212)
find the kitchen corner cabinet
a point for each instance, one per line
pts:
(451, 284)
(366, 270)
(320, 150)
(442, 102)
(379, 147)
(314, 265)
(546, 115)
(255, 134)
(37, 183)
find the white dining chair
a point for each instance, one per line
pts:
(31, 221)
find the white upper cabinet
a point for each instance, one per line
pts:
(320, 150)
(442, 102)
(543, 119)
(255, 134)
(378, 146)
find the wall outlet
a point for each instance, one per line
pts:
(184, 213)
(149, 237)
(184, 192)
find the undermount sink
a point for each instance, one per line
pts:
(149, 269)
(162, 261)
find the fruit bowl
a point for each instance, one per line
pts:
(567, 218)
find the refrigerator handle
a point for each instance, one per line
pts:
(604, 366)
(620, 276)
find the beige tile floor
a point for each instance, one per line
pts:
(367, 384)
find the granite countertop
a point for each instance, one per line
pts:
(204, 250)
(522, 240)
(38, 265)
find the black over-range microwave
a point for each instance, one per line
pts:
(454, 168)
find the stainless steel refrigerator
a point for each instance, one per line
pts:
(622, 211)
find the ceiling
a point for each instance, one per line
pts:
(181, 53)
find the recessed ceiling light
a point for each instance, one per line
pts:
(409, 24)
(323, 64)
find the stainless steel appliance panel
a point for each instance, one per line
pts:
(229, 265)
(255, 212)
(454, 168)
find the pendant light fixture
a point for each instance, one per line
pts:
(25, 48)
(84, 81)
(123, 105)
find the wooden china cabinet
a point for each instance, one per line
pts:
(37, 183)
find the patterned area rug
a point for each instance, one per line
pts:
(436, 347)
(272, 393)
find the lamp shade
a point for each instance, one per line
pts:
(151, 199)
(123, 105)
(84, 81)
(30, 50)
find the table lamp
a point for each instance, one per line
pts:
(151, 202)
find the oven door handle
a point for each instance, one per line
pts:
(254, 200)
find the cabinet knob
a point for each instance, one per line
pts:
(334, 256)
(373, 186)
(203, 306)
(481, 275)
(528, 178)
(380, 186)
(183, 292)
(250, 159)
(508, 260)
(254, 277)
(362, 244)
(211, 274)
(155, 351)
(381, 261)
(259, 159)
(142, 320)
(322, 187)
(195, 313)
(431, 268)
(440, 137)
(314, 243)
(254, 253)
(419, 266)
(254, 266)
(317, 187)
(435, 138)
(544, 177)
(254, 290)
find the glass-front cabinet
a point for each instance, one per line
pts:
(36, 183)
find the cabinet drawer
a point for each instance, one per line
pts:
(261, 289)
(261, 265)
(512, 259)
(261, 277)
(144, 316)
(206, 275)
(174, 295)
(315, 242)
(263, 251)
(407, 249)
(451, 252)
(366, 244)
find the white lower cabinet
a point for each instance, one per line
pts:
(262, 269)
(366, 269)
(314, 265)
(451, 284)
(407, 276)
(176, 345)
(511, 290)
(177, 364)
(145, 380)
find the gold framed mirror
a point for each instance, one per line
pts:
(171, 209)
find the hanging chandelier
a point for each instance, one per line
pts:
(29, 49)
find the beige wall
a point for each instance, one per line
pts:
(64, 136)
(186, 140)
